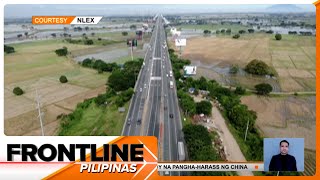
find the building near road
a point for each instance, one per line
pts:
(175, 33)
(189, 71)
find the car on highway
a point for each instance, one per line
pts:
(171, 115)
(140, 89)
(129, 121)
(145, 85)
(139, 121)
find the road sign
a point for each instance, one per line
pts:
(181, 42)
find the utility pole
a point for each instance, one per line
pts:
(132, 50)
(39, 111)
(245, 137)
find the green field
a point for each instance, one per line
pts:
(38, 60)
(97, 121)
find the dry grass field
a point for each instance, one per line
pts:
(285, 117)
(293, 57)
(35, 67)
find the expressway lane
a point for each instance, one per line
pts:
(157, 102)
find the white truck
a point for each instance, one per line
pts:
(170, 73)
(171, 84)
(181, 152)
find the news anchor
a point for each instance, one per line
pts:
(283, 161)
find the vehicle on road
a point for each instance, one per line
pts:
(171, 115)
(129, 121)
(181, 153)
(170, 73)
(171, 84)
(139, 121)
(145, 85)
(140, 89)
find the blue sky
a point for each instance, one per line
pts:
(30, 10)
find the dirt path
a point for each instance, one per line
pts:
(232, 149)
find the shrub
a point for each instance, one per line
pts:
(17, 91)
(234, 69)
(242, 31)
(8, 49)
(263, 88)
(63, 79)
(278, 37)
(62, 52)
(240, 90)
(236, 36)
(88, 42)
(257, 67)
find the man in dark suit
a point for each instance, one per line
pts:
(283, 161)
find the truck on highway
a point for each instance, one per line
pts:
(181, 152)
(170, 73)
(171, 84)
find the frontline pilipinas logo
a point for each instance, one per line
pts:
(124, 158)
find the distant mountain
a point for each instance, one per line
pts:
(284, 8)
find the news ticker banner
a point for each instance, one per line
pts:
(39, 20)
(131, 157)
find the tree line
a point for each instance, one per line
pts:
(118, 92)
(234, 111)
(199, 145)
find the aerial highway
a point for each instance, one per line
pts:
(154, 109)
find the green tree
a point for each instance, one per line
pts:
(87, 62)
(17, 91)
(223, 31)
(251, 30)
(228, 31)
(133, 27)
(240, 90)
(239, 116)
(269, 32)
(62, 52)
(234, 69)
(118, 81)
(206, 32)
(63, 79)
(217, 31)
(257, 67)
(242, 31)
(263, 88)
(204, 107)
(88, 42)
(124, 33)
(278, 37)
(236, 36)
(8, 49)
(188, 105)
